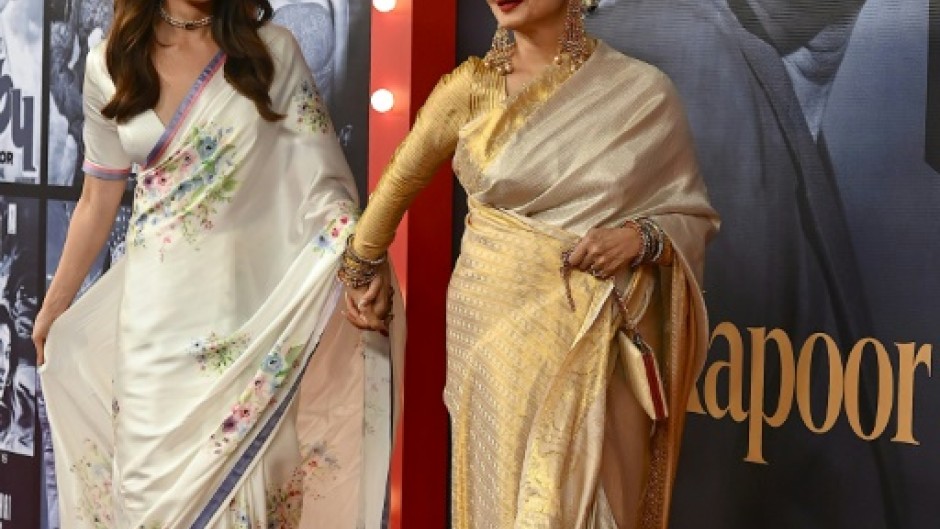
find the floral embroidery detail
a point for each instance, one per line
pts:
(311, 110)
(321, 468)
(215, 353)
(180, 198)
(283, 507)
(239, 517)
(332, 239)
(275, 368)
(285, 504)
(94, 471)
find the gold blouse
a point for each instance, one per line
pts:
(458, 97)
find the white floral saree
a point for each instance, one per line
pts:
(208, 380)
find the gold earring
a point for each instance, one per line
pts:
(574, 41)
(590, 5)
(500, 55)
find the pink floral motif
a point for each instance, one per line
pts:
(285, 504)
(321, 469)
(93, 469)
(182, 195)
(215, 353)
(276, 367)
(332, 239)
(283, 507)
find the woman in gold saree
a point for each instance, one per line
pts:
(208, 379)
(580, 264)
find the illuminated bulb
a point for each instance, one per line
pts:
(382, 100)
(383, 6)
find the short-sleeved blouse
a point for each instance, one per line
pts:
(112, 149)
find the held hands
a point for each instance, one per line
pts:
(602, 252)
(370, 307)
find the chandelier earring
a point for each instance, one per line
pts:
(574, 42)
(500, 55)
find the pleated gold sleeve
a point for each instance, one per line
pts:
(432, 141)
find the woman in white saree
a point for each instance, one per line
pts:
(207, 380)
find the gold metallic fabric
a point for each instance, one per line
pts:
(526, 377)
(532, 385)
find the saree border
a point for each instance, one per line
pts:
(501, 124)
(249, 456)
(105, 173)
(207, 74)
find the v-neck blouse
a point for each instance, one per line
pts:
(112, 149)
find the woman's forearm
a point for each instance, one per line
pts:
(88, 230)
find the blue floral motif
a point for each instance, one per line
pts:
(281, 362)
(332, 239)
(207, 146)
(273, 363)
(180, 198)
(215, 353)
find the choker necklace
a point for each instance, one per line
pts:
(184, 24)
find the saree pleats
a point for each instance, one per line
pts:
(527, 378)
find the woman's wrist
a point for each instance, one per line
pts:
(653, 243)
(54, 305)
(357, 271)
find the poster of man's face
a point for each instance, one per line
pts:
(18, 304)
(809, 118)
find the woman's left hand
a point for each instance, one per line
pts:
(602, 252)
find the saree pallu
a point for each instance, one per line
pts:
(208, 380)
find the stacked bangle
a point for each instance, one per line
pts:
(652, 241)
(357, 271)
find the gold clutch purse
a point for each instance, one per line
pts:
(639, 360)
(642, 371)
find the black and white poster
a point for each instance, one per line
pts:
(59, 215)
(334, 37)
(21, 25)
(75, 26)
(817, 130)
(19, 286)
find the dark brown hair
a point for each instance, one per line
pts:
(249, 67)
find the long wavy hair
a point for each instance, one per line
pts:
(249, 67)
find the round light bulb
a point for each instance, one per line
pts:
(382, 100)
(384, 6)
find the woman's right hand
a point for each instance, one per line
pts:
(41, 327)
(370, 307)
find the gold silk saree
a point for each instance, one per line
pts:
(546, 431)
